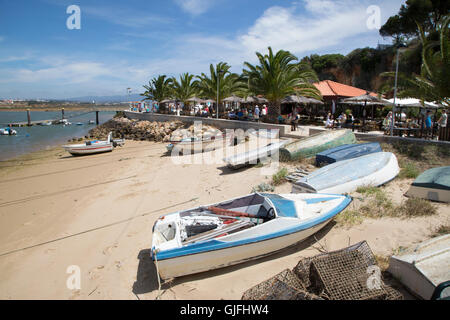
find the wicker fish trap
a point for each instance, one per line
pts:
(283, 286)
(347, 274)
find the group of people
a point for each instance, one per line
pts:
(343, 120)
(255, 113)
(429, 125)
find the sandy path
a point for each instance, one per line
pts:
(61, 196)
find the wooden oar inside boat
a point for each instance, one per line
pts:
(225, 212)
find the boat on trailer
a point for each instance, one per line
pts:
(346, 176)
(238, 230)
(433, 184)
(91, 147)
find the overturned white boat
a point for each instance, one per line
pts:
(192, 145)
(254, 156)
(91, 147)
(433, 184)
(346, 176)
(423, 268)
(238, 230)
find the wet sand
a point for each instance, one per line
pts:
(102, 209)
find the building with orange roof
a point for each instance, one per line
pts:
(333, 91)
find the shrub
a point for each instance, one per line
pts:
(409, 171)
(415, 207)
(280, 177)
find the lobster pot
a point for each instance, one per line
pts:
(345, 275)
(283, 286)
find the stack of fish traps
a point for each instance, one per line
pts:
(347, 274)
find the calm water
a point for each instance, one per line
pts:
(29, 139)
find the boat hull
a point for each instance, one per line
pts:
(333, 178)
(253, 156)
(432, 185)
(85, 150)
(422, 268)
(210, 260)
(438, 195)
(193, 147)
(346, 152)
(309, 147)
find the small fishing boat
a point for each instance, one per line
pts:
(79, 123)
(91, 122)
(91, 147)
(254, 156)
(345, 152)
(47, 123)
(238, 230)
(194, 145)
(423, 268)
(118, 142)
(8, 132)
(433, 184)
(64, 122)
(346, 176)
(309, 147)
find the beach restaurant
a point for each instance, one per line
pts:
(333, 92)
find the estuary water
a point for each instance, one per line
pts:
(37, 137)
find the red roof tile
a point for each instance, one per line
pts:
(331, 88)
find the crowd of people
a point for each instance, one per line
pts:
(342, 121)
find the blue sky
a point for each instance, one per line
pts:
(125, 43)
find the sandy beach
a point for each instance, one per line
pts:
(97, 213)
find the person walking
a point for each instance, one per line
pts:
(443, 130)
(428, 126)
(257, 112)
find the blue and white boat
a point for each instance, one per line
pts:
(238, 230)
(8, 131)
(346, 176)
(345, 152)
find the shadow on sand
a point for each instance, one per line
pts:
(147, 281)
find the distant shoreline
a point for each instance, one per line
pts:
(66, 108)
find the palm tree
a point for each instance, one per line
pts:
(158, 89)
(220, 75)
(433, 83)
(278, 76)
(185, 88)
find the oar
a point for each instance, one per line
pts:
(220, 211)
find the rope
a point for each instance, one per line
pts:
(95, 229)
(157, 274)
(37, 197)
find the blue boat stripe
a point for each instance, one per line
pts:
(218, 245)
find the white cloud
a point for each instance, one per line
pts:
(305, 27)
(195, 7)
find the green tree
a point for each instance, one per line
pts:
(229, 83)
(279, 75)
(433, 83)
(426, 13)
(158, 89)
(185, 88)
